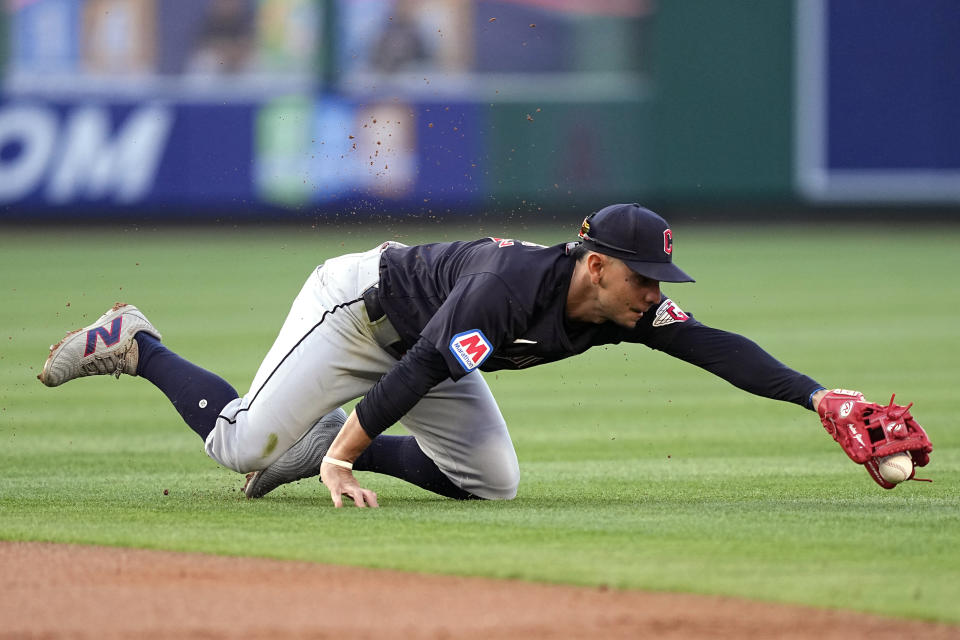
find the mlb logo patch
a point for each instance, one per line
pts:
(470, 348)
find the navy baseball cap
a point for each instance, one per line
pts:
(638, 236)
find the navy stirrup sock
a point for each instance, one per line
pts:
(195, 392)
(401, 457)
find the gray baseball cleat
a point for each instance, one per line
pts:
(302, 460)
(104, 347)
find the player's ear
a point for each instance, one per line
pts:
(595, 266)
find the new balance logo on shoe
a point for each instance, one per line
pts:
(109, 338)
(104, 347)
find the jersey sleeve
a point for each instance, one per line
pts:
(735, 358)
(478, 316)
(400, 388)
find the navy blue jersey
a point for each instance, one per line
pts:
(494, 304)
(497, 303)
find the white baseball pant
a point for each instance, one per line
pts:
(328, 353)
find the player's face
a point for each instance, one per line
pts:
(623, 295)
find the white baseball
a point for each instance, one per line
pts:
(896, 468)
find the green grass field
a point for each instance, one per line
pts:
(637, 471)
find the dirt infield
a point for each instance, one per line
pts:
(63, 591)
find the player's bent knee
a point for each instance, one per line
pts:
(499, 482)
(236, 445)
(231, 456)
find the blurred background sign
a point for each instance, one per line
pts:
(879, 98)
(447, 107)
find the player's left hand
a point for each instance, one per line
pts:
(868, 431)
(340, 482)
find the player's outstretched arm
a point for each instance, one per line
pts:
(336, 471)
(885, 439)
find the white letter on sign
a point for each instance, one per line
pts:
(35, 129)
(91, 165)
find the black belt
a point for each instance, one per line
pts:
(371, 300)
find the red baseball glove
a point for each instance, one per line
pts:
(868, 431)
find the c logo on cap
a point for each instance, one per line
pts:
(667, 241)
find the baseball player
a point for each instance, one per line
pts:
(406, 328)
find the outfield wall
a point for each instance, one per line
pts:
(499, 106)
